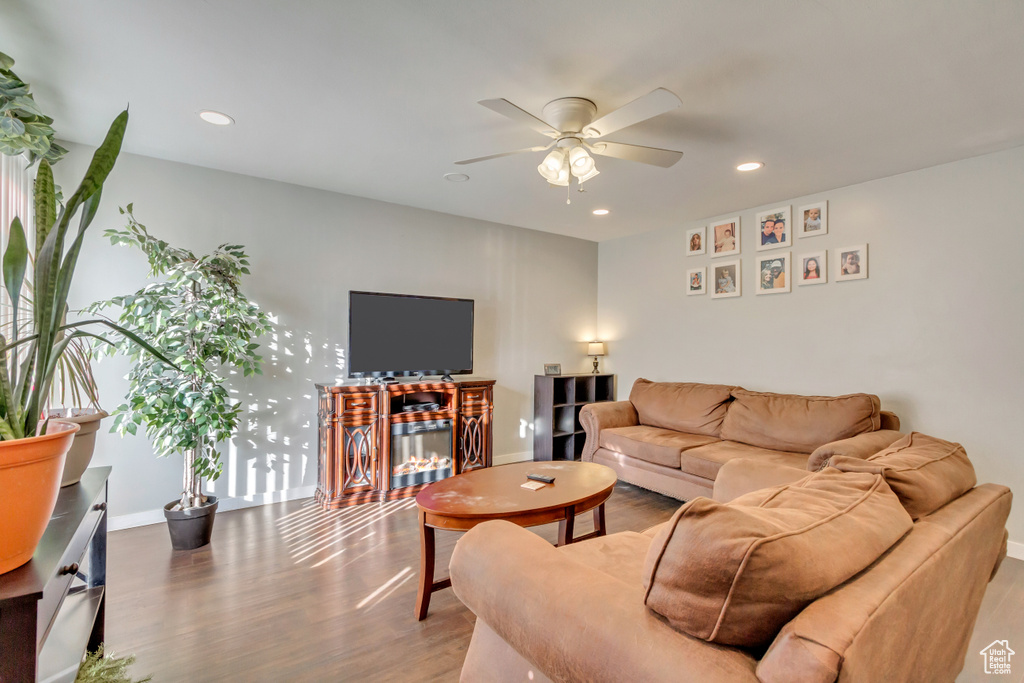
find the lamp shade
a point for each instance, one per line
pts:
(551, 167)
(563, 177)
(595, 348)
(588, 176)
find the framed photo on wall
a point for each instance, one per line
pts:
(774, 229)
(774, 275)
(852, 263)
(812, 220)
(726, 235)
(725, 279)
(696, 281)
(811, 268)
(695, 241)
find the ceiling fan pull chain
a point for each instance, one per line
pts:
(568, 192)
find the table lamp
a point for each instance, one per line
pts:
(595, 349)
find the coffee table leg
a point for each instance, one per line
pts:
(599, 527)
(565, 527)
(426, 568)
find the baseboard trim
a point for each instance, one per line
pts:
(147, 517)
(506, 458)
(1015, 550)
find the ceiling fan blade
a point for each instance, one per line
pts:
(539, 148)
(645, 155)
(506, 108)
(642, 108)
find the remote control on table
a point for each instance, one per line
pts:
(541, 477)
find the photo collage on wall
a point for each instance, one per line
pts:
(776, 271)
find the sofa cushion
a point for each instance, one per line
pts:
(653, 444)
(787, 422)
(741, 476)
(860, 446)
(705, 461)
(925, 472)
(618, 555)
(735, 573)
(681, 406)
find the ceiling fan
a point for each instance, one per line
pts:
(569, 121)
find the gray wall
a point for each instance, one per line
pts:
(535, 302)
(936, 330)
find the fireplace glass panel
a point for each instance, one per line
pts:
(421, 452)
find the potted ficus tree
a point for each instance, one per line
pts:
(194, 311)
(32, 448)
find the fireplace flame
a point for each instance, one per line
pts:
(414, 465)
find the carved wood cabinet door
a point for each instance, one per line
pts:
(358, 453)
(475, 432)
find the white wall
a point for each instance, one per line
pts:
(535, 301)
(937, 329)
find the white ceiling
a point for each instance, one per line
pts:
(378, 98)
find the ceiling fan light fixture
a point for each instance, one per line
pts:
(552, 166)
(581, 163)
(578, 157)
(590, 174)
(750, 166)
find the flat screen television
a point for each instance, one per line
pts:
(399, 334)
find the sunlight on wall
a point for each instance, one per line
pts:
(275, 444)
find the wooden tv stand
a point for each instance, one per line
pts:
(355, 425)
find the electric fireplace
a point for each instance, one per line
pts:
(421, 452)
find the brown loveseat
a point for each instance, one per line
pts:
(673, 437)
(695, 600)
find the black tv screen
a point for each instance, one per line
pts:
(398, 334)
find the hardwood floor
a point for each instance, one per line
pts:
(288, 592)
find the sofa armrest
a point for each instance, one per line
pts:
(889, 420)
(860, 446)
(597, 416)
(743, 475)
(574, 622)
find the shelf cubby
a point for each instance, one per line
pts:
(557, 402)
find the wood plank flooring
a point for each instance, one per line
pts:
(288, 592)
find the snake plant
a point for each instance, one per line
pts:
(28, 361)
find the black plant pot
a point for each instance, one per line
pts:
(191, 528)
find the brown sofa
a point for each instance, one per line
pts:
(674, 437)
(619, 607)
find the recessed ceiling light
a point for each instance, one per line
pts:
(216, 118)
(601, 212)
(456, 177)
(750, 166)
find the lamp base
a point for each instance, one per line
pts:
(595, 365)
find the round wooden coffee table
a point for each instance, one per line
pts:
(461, 502)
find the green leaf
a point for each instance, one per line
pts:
(15, 264)
(11, 126)
(44, 204)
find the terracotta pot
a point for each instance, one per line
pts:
(80, 454)
(30, 473)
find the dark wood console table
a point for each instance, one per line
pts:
(52, 608)
(356, 423)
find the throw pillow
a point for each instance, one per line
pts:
(736, 573)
